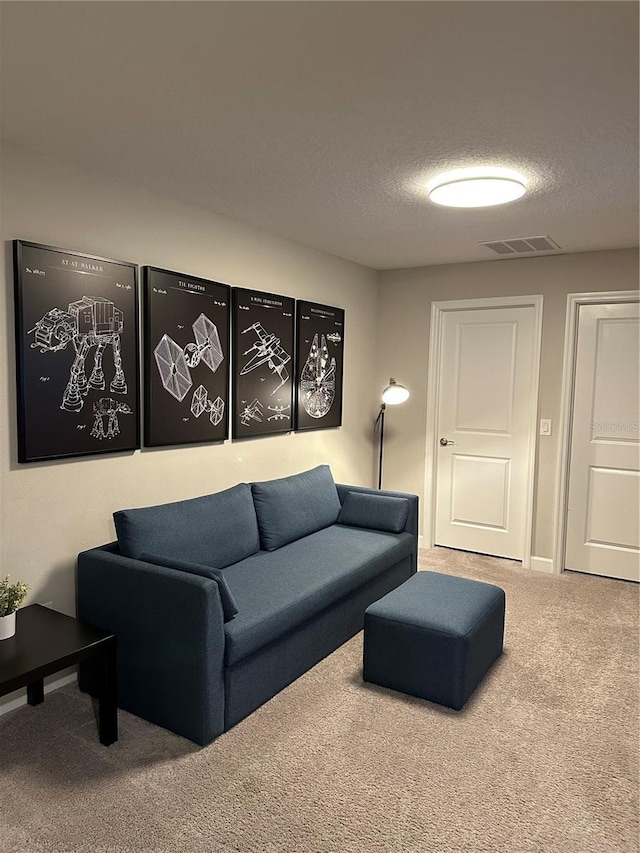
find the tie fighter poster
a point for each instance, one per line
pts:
(76, 353)
(186, 358)
(262, 363)
(319, 360)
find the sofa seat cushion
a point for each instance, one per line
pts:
(214, 530)
(293, 507)
(278, 590)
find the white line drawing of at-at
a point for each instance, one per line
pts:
(107, 407)
(267, 351)
(92, 321)
(318, 380)
(251, 412)
(174, 362)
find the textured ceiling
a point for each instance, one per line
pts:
(323, 121)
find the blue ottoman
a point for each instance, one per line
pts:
(434, 637)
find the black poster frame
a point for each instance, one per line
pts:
(263, 363)
(87, 304)
(187, 367)
(319, 365)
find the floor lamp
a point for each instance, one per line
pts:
(392, 395)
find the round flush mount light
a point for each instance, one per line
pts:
(477, 187)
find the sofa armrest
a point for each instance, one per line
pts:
(170, 631)
(411, 525)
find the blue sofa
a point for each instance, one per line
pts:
(221, 601)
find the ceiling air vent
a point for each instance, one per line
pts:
(521, 245)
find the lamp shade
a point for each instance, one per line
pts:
(394, 393)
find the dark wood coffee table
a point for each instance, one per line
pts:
(46, 642)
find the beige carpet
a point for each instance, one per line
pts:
(543, 757)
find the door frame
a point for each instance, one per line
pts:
(438, 310)
(574, 301)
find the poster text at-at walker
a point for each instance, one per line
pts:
(77, 353)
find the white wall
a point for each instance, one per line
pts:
(403, 333)
(50, 511)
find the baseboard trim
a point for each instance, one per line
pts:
(52, 683)
(542, 564)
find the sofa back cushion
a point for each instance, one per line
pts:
(214, 530)
(292, 507)
(376, 512)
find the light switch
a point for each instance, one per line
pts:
(545, 426)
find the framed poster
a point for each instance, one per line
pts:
(319, 360)
(186, 358)
(262, 363)
(76, 353)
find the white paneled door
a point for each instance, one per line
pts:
(487, 382)
(603, 512)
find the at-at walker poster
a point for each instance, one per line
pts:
(262, 363)
(186, 358)
(319, 359)
(77, 353)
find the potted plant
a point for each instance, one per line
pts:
(11, 597)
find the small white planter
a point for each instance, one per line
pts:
(7, 626)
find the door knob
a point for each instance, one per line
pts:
(445, 441)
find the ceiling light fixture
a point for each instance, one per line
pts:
(477, 187)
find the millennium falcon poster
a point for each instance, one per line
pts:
(262, 363)
(77, 353)
(319, 359)
(186, 358)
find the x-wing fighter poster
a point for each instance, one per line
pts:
(77, 353)
(186, 358)
(319, 360)
(262, 363)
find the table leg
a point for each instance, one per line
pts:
(108, 696)
(35, 692)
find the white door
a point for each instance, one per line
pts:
(488, 378)
(603, 513)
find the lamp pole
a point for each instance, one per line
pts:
(380, 426)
